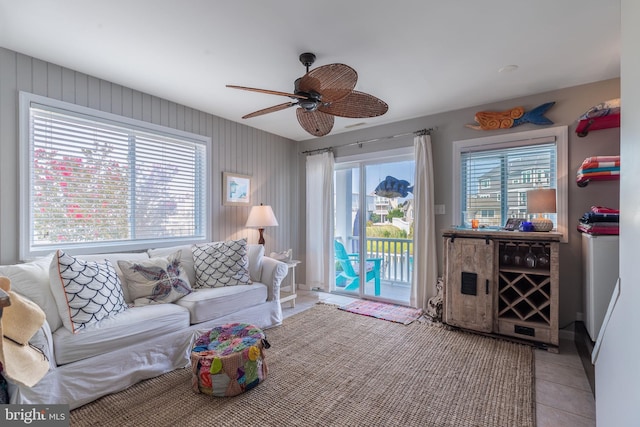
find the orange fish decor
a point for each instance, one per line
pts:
(491, 120)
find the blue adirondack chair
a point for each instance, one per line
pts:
(350, 267)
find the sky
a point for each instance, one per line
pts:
(378, 172)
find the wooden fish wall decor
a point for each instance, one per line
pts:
(491, 120)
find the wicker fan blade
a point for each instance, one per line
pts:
(272, 92)
(315, 122)
(333, 81)
(356, 105)
(270, 110)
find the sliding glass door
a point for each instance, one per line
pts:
(374, 227)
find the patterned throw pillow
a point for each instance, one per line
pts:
(221, 264)
(156, 281)
(85, 291)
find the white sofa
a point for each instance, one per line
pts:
(140, 342)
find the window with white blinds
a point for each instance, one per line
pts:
(491, 176)
(498, 180)
(100, 181)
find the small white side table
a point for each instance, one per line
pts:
(288, 293)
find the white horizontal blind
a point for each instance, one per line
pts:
(96, 181)
(494, 182)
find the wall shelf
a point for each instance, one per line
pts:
(597, 123)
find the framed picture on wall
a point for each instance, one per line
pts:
(236, 189)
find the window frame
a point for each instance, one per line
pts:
(27, 251)
(519, 139)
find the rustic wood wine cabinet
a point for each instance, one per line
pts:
(503, 283)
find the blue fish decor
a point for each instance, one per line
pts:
(393, 187)
(491, 120)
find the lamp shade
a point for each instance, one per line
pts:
(261, 216)
(541, 201)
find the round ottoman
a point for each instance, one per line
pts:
(229, 360)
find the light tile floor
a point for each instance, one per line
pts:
(563, 395)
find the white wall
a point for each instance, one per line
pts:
(618, 363)
(269, 159)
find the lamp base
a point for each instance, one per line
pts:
(261, 239)
(542, 224)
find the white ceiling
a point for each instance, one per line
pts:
(420, 56)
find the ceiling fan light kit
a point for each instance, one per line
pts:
(321, 94)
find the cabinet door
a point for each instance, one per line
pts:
(469, 283)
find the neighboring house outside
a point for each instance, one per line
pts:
(485, 202)
(406, 221)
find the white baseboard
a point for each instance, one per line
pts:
(303, 287)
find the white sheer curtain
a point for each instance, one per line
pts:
(425, 262)
(319, 260)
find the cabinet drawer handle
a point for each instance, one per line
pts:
(486, 287)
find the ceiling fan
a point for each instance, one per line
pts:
(321, 94)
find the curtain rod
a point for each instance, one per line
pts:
(420, 132)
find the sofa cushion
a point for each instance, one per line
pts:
(156, 280)
(31, 280)
(211, 303)
(120, 331)
(114, 258)
(186, 259)
(85, 291)
(221, 264)
(255, 253)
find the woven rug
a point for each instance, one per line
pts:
(379, 310)
(330, 368)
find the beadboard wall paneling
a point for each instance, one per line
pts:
(271, 160)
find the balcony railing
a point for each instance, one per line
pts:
(397, 256)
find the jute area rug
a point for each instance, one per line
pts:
(328, 367)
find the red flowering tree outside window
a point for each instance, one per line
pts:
(111, 182)
(79, 198)
(88, 198)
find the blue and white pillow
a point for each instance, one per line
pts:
(85, 291)
(220, 264)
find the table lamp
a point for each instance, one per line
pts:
(261, 216)
(541, 201)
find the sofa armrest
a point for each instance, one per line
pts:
(43, 341)
(273, 272)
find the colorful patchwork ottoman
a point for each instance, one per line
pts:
(229, 360)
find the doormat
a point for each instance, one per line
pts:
(379, 310)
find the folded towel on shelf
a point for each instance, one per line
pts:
(583, 171)
(600, 220)
(598, 168)
(601, 159)
(598, 164)
(604, 209)
(592, 217)
(606, 108)
(583, 178)
(600, 228)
